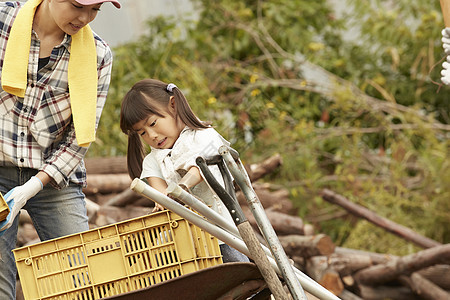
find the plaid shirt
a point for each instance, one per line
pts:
(37, 131)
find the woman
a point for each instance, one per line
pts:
(47, 47)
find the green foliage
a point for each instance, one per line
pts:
(348, 100)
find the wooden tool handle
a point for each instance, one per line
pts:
(445, 7)
(261, 261)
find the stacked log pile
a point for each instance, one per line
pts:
(348, 273)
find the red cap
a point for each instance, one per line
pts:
(93, 2)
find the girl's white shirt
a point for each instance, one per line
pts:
(172, 164)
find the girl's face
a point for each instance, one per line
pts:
(70, 16)
(160, 132)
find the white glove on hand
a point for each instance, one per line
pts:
(18, 197)
(445, 73)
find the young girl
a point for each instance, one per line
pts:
(159, 115)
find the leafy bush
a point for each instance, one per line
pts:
(347, 99)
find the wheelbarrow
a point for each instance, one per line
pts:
(236, 280)
(220, 228)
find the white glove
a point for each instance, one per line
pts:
(445, 73)
(18, 197)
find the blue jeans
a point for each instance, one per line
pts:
(54, 213)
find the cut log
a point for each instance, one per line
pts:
(144, 202)
(110, 214)
(106, 165)
(319, 270)
(376, 258)
(347, 295)
(299, 262)
(308, 229)
(307, 246)
(25, 234)
(384, 223)
(24, 217)
(348, 264)
(126, 197)
(118, 164)
(423, 287)
(405, 265)
(332, 282)
(257, 171)
(278, 199)
(348, 281)
(107, 183)
(92, 209)
(285, 224)
(282, 223)
(387, 292)
(438, 274)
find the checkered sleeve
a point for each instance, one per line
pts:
(66, 159)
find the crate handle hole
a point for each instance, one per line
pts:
(28, 261)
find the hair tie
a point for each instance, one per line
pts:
(170, 87)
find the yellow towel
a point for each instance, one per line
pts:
(82, 72)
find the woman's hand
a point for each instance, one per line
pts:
(18, 197)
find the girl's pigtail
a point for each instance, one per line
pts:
(135, 155)
(184, 111)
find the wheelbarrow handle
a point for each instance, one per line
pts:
(147, 191)
(231, 204)
(243, 181)
(246, 232)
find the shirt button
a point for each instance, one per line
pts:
(32, 85)
(22, 133)
(25, 110)
(22, 160)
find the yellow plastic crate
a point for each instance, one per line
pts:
(4, 209)
(115, 259)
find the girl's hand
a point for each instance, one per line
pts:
(158, 207)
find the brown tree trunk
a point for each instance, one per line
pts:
(387, 292)
(257, 171)
(278, 199)
(107, 183)
(384, 223)
(349, 264)
(319, 270)
(403, 266)
(106, 165)
(424, 288)
(307, 246)
(110, 214)
(124, 198)
(282, 223)
(438, 274)
(376, 258)
(346, 295)
(285, 224)
(92, 209)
